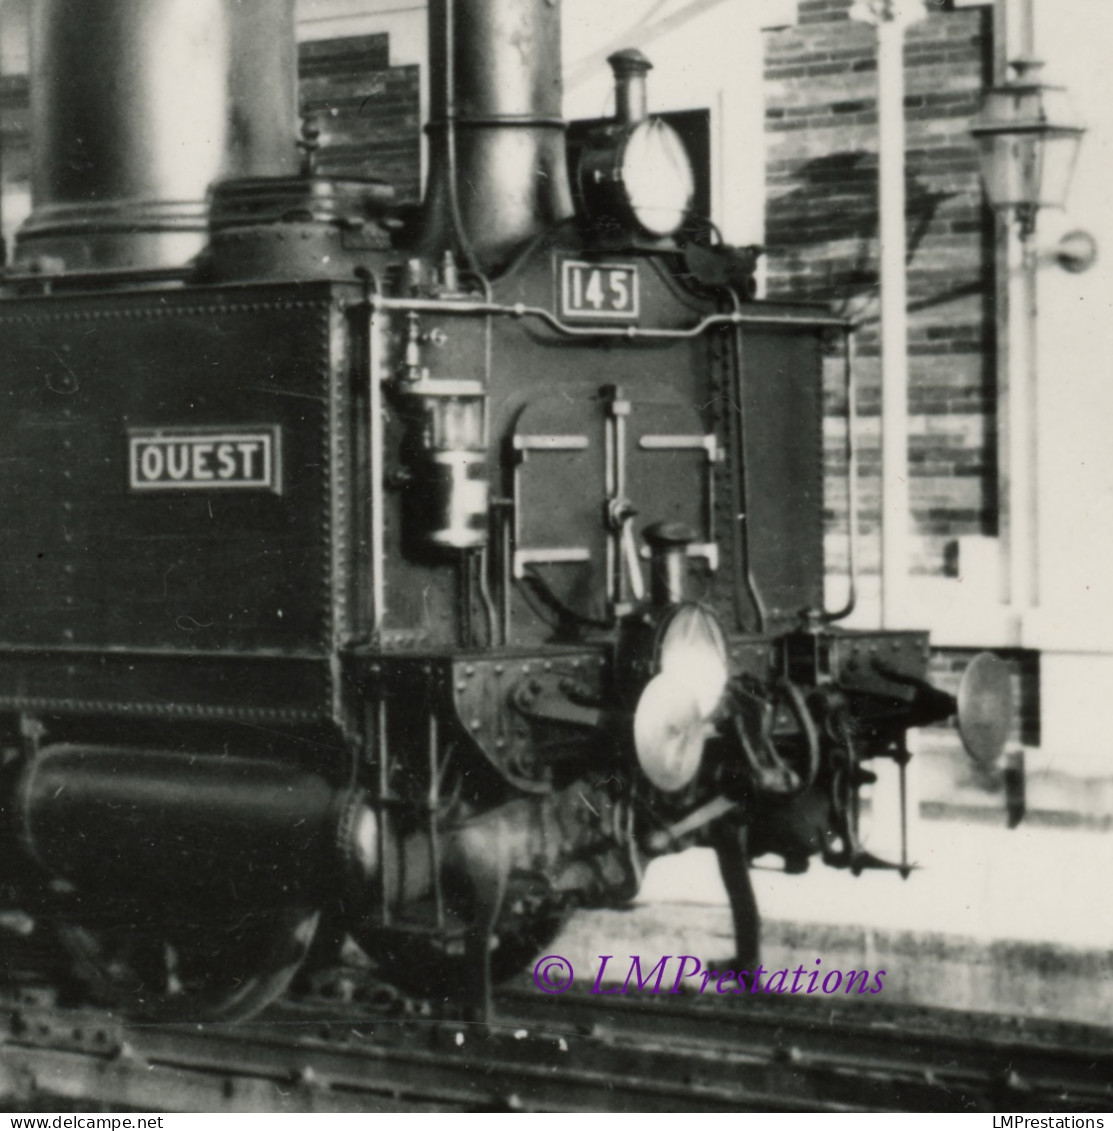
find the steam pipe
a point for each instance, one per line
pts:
(497, 175)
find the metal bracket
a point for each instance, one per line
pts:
(555, 555)
(551, 697)
(708, 550)
(624, 576)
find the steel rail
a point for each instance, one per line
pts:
(578, 1053)
(1019, 1057)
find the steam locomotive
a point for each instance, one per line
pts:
(412, 576)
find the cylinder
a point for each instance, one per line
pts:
(668, 548)
(450, 488)
(631, 96)
(498, 175)
(137, 108)
(170, 825)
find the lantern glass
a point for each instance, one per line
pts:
(1060, 155)
(1027, 145)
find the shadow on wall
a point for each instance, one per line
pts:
(825, 230)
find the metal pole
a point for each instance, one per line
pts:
(894, 319)
(1022, 425)
(891, 17)
(1023, 379)
(1016, 266)
(1003, 323)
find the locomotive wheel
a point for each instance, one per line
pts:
(166, 969)
(427, 967)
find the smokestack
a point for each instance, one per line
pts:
(498, 175)
(137, 107)
(631, 96)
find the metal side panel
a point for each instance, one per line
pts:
(782, 429)
(177, 497)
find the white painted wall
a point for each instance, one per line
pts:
(1073, 625)
(1075, 326)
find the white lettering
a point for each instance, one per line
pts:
(205, 460)
(594, 293)
(605, 290)
(177, 460)
(620, 288)
(248, 449)
(201, 453)
(151, 462)
(227, 461)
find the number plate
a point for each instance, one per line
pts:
(598, 290)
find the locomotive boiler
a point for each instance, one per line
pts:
(412, 575)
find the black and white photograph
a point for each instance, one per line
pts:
(555, 556)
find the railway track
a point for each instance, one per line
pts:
(575, 1053)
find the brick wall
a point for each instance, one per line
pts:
(821, 132)
(821, 234)
(368, 111)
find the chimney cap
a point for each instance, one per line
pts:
(629, 62)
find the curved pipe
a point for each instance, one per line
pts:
(852, 486)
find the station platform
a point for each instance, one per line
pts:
(1016, 921)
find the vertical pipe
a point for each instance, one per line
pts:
(1022, 426)
(631, 97)
(3, 241)
(137, 107)
(894, 322)
(1017, 384)
(391, 867)
(887, 797)
(497, 164)
(1003, 304)
(433, 805)
(1023, 393)
(851, 483)
(375, 377)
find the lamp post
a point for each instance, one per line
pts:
(1027, 143)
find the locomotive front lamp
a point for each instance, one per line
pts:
(636, 170)
(1028, 141)
(656, 177)
(675, 712)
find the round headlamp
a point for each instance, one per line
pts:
(673, 717)
(637, 175)
(656, 176)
